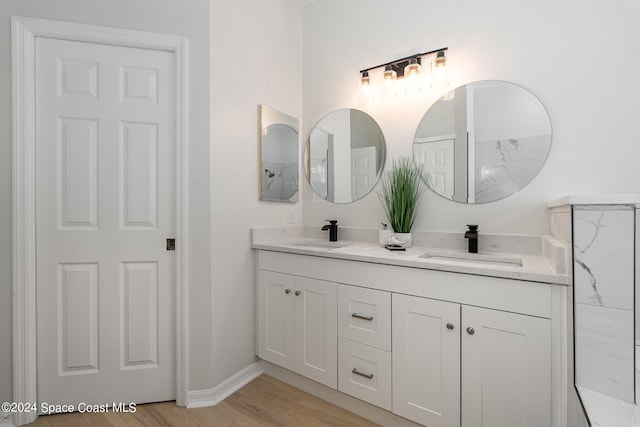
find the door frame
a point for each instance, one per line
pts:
(24, 32)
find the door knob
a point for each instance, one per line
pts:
(287, 291)
(470, 330)
(297, 293)
(450, 326)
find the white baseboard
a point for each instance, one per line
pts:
(213, 396)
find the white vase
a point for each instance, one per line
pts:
(402, 239)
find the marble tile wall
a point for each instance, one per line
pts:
(279, 181)
(604, 278)
(560, 219)
(507, 164)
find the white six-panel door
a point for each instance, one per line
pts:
(105, 205)
(363, 171)
(437, 158)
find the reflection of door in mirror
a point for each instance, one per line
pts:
(363, 171)
(436, 154)
(318, 161)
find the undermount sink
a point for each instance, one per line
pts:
(321, 244)
(485, 259)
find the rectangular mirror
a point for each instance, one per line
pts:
(278, 156)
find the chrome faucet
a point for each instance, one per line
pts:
(472, 235)
(333, 229)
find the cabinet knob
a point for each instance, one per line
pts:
(297, 293)
(287, 291)
(450, 326)
(470, 330)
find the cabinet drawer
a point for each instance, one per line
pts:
(364, 316)
(365, 372)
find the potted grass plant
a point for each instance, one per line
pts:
(400, 193)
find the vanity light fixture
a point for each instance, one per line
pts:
(407, 67)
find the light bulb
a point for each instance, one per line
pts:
(441, 60)
(389, 73)
(364, 80)
(439, 74)
(412, 68)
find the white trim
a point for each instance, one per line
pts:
(24, 33)
(213, 396)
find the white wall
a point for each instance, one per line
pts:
(579, 58)
(182, 18)
(256, 58)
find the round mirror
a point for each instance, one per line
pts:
(483, 141)
(344, 156)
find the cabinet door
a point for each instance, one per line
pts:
(426, 360)
(275, 318)
(506, 369)
(316, 330)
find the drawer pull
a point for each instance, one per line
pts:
(355, 371)
(357, 316)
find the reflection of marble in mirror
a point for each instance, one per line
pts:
(483, 141)
(278, 156)
(344, 156)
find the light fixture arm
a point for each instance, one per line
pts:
(405, 59)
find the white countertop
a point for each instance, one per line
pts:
(596, 199)
(534, 267)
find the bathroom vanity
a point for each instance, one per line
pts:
(433, 334)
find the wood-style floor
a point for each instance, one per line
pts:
(263, 402)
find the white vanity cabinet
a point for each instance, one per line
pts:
(439, 348)
(297, 325)
(462, 365)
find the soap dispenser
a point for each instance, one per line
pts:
(384, 234)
